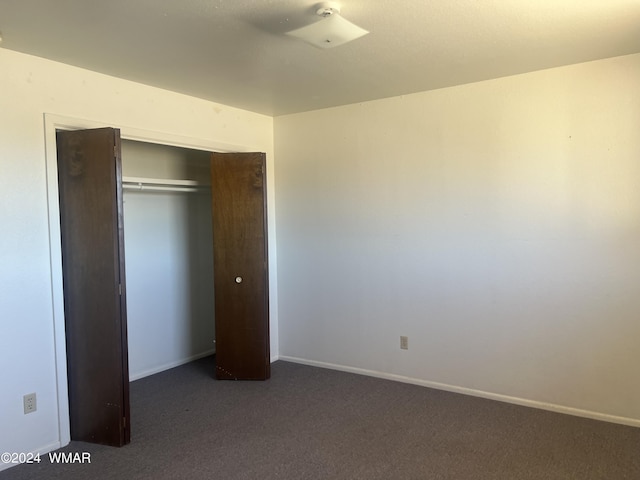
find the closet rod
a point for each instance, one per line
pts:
(162, 184)
(160, 188)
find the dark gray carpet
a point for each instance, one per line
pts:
(311, 423)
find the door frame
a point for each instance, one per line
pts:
(53, 122)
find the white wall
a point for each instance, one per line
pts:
(169, 260)
(30, 87)
(496, 224)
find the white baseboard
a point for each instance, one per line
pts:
(167, 366)
(632, 422)
(42, 451)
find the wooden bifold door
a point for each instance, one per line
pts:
(91, 226)
(240, 269)
(92, 237)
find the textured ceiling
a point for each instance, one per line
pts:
(235, 52)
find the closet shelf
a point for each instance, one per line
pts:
(163, 184)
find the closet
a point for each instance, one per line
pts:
(162, 219)
(169, 255)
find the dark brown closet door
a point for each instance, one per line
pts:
(240, 266)
(91, 224)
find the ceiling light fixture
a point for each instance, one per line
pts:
(332, 31)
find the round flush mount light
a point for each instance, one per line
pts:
(333, 30)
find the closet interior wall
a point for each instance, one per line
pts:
(168, 258)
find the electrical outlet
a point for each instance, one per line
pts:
(30, 404)
(404, 343)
